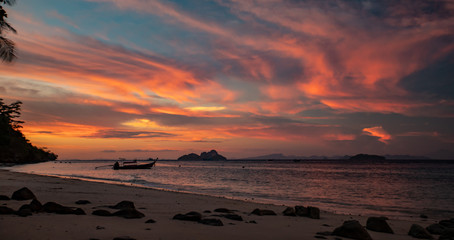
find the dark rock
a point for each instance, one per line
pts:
(129, 213)
(327, 233)
(82, 202)
(124, 205)
(419, 232)
(289, 211)
(124, 238)
(252, 221)
(207, 211)
(223, 210)
(378, 224)
(79, 211)
(231, 216)
(448, 234)
(101, 212)
(423, 216)
(447, 223)
(263, 212)
(4, 197)
(435, 228)
(313, 212)
(36, 206)
(23, 194)
(352, 229)
(150, 221)
(190, 216)
(211, 222)
(100, 228)
(320, 237)
(24, 211)
(52, 207)
(301, 211)
(6, 210)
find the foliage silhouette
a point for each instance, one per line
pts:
(7, 47)
(14, 147)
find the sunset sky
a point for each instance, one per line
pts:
(159, 78)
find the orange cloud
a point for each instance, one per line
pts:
(246, 79)
(379, 132)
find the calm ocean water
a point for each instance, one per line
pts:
(398, 189)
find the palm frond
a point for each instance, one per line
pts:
(9, 2)
(5, 25)
(7, 50)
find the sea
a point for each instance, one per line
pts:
(399, 189)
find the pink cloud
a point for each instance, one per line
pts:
(379, 132)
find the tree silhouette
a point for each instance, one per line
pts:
(7, 47)
(14, 147)
(10, 112)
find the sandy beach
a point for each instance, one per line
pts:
(161, 206)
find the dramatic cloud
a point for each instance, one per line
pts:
(305, 77)
(137, 151)
(129, 134)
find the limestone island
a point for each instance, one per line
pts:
(204, 156)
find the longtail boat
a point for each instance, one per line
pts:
(134, 165)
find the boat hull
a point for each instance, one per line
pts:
(139, 166)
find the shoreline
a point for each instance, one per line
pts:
(252, 200)
(161, 206)
(337, 204)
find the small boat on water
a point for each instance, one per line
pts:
(134, 165)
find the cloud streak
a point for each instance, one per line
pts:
(234, 71)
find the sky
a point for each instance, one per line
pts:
(102, 79)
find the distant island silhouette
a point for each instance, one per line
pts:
(281, 156)
(367, 157)
(212, 155)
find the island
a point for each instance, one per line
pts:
(212, 155)
(367, 157)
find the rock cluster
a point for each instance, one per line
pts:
(197, 217)
(35, 206)
(52, 207)
(310, 212)
(444, 228)
(126, 209)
